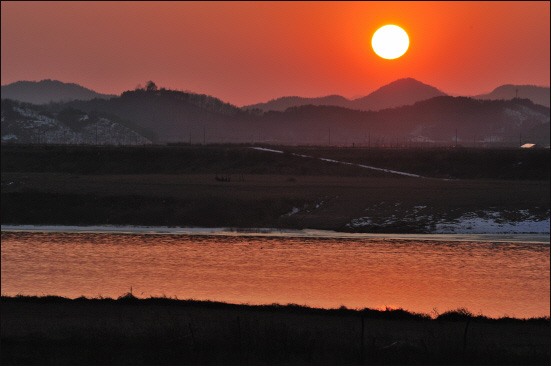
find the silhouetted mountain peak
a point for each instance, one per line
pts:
(403, 82)
(397, 93)
(173, 98)
(537, 94)
(406, 86)
(283, 103)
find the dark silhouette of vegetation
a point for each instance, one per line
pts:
(136, 331)
(150, 86)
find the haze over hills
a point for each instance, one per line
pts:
(395, 94)
(163, 115)
(537, 94)
(281, 104)
(46, 91)
(174, 116)
(437, 120)
(398, 93)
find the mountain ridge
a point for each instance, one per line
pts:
(411, 91)
(399, 92)
(177, 116)
(385, 96)
(537, 94)
(47, 91)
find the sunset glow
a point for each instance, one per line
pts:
(252, 52)
(263, 182)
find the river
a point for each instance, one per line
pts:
(494, 278)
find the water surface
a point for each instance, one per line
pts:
(491, 278)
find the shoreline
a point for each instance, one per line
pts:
(536, 238)
(386, 313)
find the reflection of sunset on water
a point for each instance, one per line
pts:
(494, 279)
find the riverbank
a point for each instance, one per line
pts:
(337, 203)
(44, 330)
(539, 238)
(335, 189)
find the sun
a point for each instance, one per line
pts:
(390, 42)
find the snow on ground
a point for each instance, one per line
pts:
(293, 211)
(345, 163)
(492, 222)
(307, 233)
(469, 224)
(9, 137)
(270, 150)
(360, 221)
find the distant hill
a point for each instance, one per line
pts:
(176, 116)
(281, 104)
(398, 93)
(46, 91)
(437, 120)
(537, 94)
(30, 123)
(173, 115)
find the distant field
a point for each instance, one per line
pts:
(516, 164)
(177, 186)
(222, 160)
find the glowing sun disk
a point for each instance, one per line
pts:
(390, 42)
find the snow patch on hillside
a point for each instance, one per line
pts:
(32, 126)
(522, 114)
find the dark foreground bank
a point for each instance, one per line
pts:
(55, 330)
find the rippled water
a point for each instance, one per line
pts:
(494, 279)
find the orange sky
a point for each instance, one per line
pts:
(250, 52)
